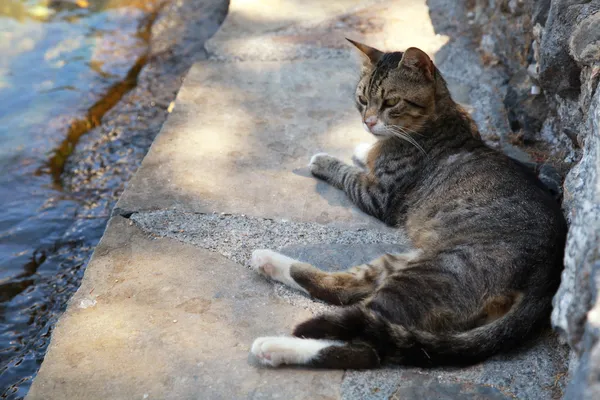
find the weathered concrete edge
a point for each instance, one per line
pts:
(100, 284)
(36, 385)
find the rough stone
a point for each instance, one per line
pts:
(506, 32)
(235, 236)
(577, 307)
(569, 29)
(559, 73)
(540, 11)
(584, 44)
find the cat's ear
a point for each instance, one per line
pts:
(370, 54)
(416, 59)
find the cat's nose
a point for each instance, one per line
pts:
(371, 121)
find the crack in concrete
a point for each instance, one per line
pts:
(235, 236)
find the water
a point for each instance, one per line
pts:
(64, 64)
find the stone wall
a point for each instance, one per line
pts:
(569, 61)
(550, 50)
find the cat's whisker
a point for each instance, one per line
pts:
(415, 143)
(410, 130)
(404, 130)
(400, 132)
(406, 137)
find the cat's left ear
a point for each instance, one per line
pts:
(416, 59)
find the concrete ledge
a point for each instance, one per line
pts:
(159, 319)
(240, 138)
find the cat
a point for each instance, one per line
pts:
(488, 237)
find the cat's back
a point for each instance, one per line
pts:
(479, 192)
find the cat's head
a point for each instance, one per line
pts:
(396, 92)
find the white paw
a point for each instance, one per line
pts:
(313, 159)
(362, 151)
(277, 350)
(271, 263)
(261, 262)
(274, 265)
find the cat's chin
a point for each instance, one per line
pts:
(379, 132)
(379, 136)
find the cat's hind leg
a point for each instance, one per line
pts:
(328, 341)
(341, 288)
(282, 350)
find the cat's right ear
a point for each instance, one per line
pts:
(370, 55)
(418, 60)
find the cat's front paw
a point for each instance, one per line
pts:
(262, 262)
(320, 163)
(361, 153)
(275, 266)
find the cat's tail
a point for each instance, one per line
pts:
(397, 344)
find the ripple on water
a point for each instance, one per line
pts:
(64, 64)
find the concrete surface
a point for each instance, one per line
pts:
(291, 29)
(159, 319)
(227, 145)
(167, 308)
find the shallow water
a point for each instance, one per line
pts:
(64, 64)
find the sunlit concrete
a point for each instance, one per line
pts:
(240, 139)
(292, 29)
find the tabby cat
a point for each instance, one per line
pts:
(488, 237)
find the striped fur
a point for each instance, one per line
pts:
(489, 237)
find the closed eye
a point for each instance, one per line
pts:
(362, 100)
(412, 103)
(391, 102)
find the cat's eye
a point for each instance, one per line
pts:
(391, 102)
(412, 103)
(362, 100)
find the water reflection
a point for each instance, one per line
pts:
(64, 64)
